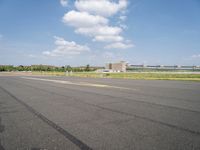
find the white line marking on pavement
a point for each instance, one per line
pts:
(79, 83)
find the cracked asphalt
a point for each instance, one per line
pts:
(58, 113)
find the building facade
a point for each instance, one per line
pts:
(116, 67)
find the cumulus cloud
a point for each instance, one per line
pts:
(108, 38)
(122, 17)
(63, 3)
(119, 45)
(93, 25)
(83, 19)
(99, 30)
(101, 7)
(102, 33)
(64, 48)
(92, 19)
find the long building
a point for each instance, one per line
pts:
(164, 67)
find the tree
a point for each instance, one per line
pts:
(20, 68)
(87, 67)
(68, 68)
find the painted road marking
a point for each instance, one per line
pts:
(79, 83)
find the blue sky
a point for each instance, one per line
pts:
(62, 32)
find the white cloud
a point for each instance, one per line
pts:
(64, 48)
(101, 7)
(108, 38)
(122, 17)
(196, 56)
(119, 45)
(83, 19)
(63, 3)
(102, 33)
(1, 36)
(99, 30)
(91, 19)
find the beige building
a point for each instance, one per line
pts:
(116, 67)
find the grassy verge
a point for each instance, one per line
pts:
(146, 76)
(49, 73)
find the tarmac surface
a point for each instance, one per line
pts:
(61, 113)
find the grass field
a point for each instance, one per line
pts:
(146, 76)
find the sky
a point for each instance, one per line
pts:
(95, 32)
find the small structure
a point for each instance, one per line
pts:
(116, 67)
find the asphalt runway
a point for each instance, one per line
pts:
(61, 113)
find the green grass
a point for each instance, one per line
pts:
(48, 73)
(146, 76)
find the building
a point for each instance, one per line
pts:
(163, 67)
(116, 67)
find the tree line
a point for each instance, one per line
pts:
(9, 68)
